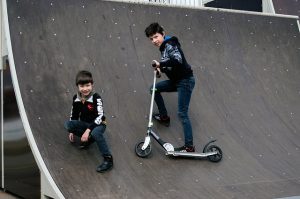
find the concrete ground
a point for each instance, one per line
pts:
(4, 195)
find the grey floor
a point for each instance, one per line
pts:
(4, 195)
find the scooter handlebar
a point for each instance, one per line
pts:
(153, 63)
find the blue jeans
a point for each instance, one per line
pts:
(184, 88)
(78, 127)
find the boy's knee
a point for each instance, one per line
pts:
(67, 125)
(71, 125)
(180, 114)
(183, 116)
(98, 132)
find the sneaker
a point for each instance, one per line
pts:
(185, 149)
(85, 145)
(106, 165)
(163, 119)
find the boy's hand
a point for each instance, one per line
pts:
(85, 136)
(71, 137)
(155, 64)
(158, 73)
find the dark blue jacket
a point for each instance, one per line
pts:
(173, 62)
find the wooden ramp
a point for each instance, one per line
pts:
(247, 96)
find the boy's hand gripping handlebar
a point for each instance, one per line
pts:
(154, 65)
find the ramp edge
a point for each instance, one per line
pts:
(206, 8)
(46, 178)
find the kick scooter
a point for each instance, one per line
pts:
(143, 149)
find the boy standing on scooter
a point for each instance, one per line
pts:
(181, 80)
(87, 119)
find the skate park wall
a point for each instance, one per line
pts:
(246, 96)
(290, 7)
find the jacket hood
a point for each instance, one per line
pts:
(170, 40)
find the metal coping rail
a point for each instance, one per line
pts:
(204, 8)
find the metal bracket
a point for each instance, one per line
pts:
(5, 63)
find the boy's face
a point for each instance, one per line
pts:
(85, 89)
(157, 39)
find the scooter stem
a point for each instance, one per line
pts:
(152, 101)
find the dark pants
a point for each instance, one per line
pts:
(184, 88)
(78, 127)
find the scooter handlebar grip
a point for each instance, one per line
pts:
(153, 63)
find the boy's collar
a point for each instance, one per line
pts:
(167, 37)
(88, 98)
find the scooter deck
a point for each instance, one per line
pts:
(190, 154)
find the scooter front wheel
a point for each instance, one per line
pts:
(140, 152)
(217, 157)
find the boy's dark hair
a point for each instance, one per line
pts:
(84, 77)
(154, 28)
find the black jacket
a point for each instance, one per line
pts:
(173, 62)
(91, 111)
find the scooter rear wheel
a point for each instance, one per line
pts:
(140, 152)
(217, 157)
